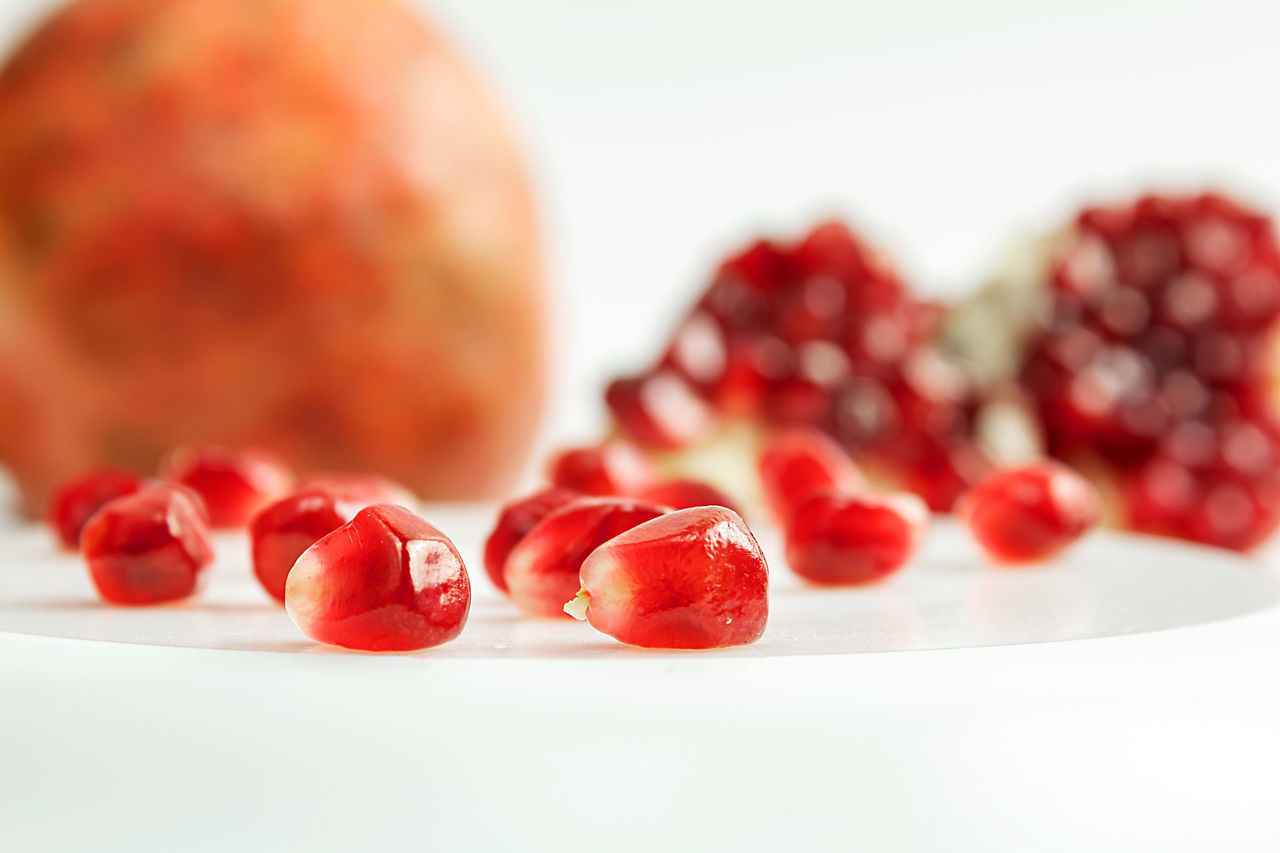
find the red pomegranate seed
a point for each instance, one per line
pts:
(514, 522)
(849, 539)
(613, 468)
(76, 500)
(1030, 513)
(283, 530)
(542, 569)
(385, 581)
(691, 579)
(660, 410)
(149, 547)
(798, 462)
(369, 488)
(234, 484)
(687, 494)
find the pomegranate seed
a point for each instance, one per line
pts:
(542, 569)
(687, 494)
(149, 547)
(798, 462)
(1030, 513)
(234, 484)
(514, 523)
(659, 411)
(76, 500)
(691, 579)
(369, 488)
(384, 581)
(283, 530)
(613, 468)
(839, 538)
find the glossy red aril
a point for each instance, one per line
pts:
(799, 462)
(514, 522)
(687, 494)
(692, 579)
(660, 410)
(613, 468)
(234, 484)
(1030, 513)
(370, 488)
(149, 547)
(76, 500)
(283, 530)
(542, 569)
(385, 581)
(848, 539)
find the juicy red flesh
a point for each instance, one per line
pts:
(385, 581)
(659, 410)
(687, 494)
(850, 539)
(542, 570)
(514, 522)
(283, 530)
(149, 547)
(1030, 513)
(1154, 362)
(76, 500)
(692, 579)
(234, 484)
(611, 469)
(799, 462)
(823, 333)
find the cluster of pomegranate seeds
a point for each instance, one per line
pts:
(384, 581)
(1031, 512)
(845, 538)
(1153, 363)
(149, 547)
(798, 462)
(76, 500)
(690, 579)
(515, 520)
(234, 484)
(541, 571)
(821, 333)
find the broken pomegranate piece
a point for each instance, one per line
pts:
(76, 500)
(691, 579)
(149, 547)
(514, 522)
(611, 469)
(234, 484)
(1030, 513)
(283, 530)
(384, 581)
(542, 569)
(848, 539)
(799, 462)
(687, 494)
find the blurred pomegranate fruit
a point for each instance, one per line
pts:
(292, 224)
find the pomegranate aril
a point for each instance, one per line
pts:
(660, 410)
(1030, 513)
(283, 530)
(76, 500)
(797, 463)
(385, 581)
(613, 468)
(692, 579)
(542, 570)
(687, 494)
(840, 538)
(369, 488)
(234, 484)
(149, 547)
(514, 522)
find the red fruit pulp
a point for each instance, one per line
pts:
(514, 522)
(611, 469)
(692, 579)
(839, 538)
(798, 462)
(75, 501)
(542, 569)
(687, 494)
(234, 484)
(385, 581)
(149, 547)
(283, 530)
(1030, 513)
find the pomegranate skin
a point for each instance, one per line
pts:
(290, 224)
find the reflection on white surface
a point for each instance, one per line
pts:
(949, 598)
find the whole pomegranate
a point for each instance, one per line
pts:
(290, 224)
